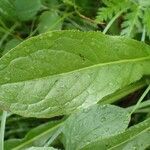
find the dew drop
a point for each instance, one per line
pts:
(110, 84)
(103, 118)
(86, 110)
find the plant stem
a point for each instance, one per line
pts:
(8, 33)
(144, 110)
(112, 21)
(87, 18)
(143, 35)
(146, 103)
(140, 100)
(8, 115)
(142, 105)
(2, 131)
(84, 17)
(54, 136)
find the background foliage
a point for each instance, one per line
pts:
(22, 19)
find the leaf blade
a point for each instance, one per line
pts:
(64, 70)
(96, 122)
(115, 141)
(35, 137)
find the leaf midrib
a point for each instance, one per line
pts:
(86, 68)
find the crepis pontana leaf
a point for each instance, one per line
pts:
(58, 72)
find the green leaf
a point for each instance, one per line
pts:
(95, 122)
(11, 44)
(145, 3)
(146, 21)
(58, 72)
(51, 4)
(41, 148)
(141, 142)
(111, 8)
(36, 137)
(118, 95)
(131, 21)
(27, 9)
(49, 21)
(23, 10)
(7, 10)
(69, 2)
(134, 136)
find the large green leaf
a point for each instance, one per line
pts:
(35, 137)
(57, 72)
(133, 137)
(95, 122)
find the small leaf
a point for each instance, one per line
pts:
(58, 72)
(11, 44)
(49, 21)
(22, 10)
(111, 8)
(130, 137)
(141, 142)
(131, 21)
(146, 21)
(41, 148)
(145, 3)
(27, 9)
(51, 4)
(69, 2)
(96, 122)
(35, 137)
